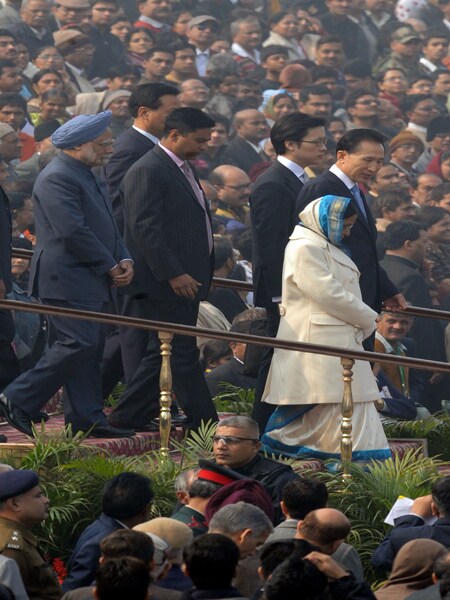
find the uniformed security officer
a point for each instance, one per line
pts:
(23, 505)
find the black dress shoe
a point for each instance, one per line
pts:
(39, 417)
(106, 431)
(15, 416)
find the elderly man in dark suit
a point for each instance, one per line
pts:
(79, 258)
(359, 155)
(149, 105)
(168, 231)
(299, 140)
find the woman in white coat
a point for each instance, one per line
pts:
(321, 303)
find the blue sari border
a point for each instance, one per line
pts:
(272, 446)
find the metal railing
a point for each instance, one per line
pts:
(167, 330)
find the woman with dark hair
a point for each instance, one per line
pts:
(43, 80)
(321, 304)
(137, 42)
(53, 105)
(440, 165)
(279, 105)
(284, 31)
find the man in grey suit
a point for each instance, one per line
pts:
(78, 259)
(168, 231)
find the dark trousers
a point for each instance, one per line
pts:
(133, 341)
(261, 410)
(139, 404)
(9, 365)
(73, 360)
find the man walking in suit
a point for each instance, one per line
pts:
(359, 156)
(78, 259)
(299, 140)
(149, 105)
(168, 231)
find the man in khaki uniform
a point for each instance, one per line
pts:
(23, 505)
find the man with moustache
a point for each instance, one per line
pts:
(251, 128)
(298, 140)
(78, 260)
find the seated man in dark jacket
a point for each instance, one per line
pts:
(236, 446)
(413, 526)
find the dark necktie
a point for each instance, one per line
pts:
(359, 201)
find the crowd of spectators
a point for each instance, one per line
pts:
(224, 539)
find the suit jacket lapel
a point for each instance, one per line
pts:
(176, 172)
(291, 180)
(342, 189)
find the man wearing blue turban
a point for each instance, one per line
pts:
(78, 261)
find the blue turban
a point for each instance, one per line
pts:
(16, 482)
(80, 130)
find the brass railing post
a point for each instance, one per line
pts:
(347, 413)
(165, 386)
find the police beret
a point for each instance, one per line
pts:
(16, 482)
(210, 471)
(80, 130)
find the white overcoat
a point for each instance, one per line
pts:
(321, 304)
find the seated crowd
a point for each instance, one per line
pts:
(242, 539)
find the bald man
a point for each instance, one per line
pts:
(194, 93)
(233, 191)
(327, 528)
(251, 128)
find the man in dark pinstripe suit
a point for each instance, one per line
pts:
(168, 232)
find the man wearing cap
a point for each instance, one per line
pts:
(438, 138)
(29, 169)
(79, 259)
(178, 536)
(405, 47)
(202, 31)
(211, 477)
(22, 506)
(77, 51)
(67, 13)
(405, 150)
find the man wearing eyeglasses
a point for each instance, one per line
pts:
(236, 446)
(202, 31)
(233, 190)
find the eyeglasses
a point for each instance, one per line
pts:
(430, 108)
(104, 9)
(84, 50)
(231, 440)
(367, 102)
(347, 228)
(50, 56)
(205, 26)
(319, 142)
(238, 188)
(395, 78)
